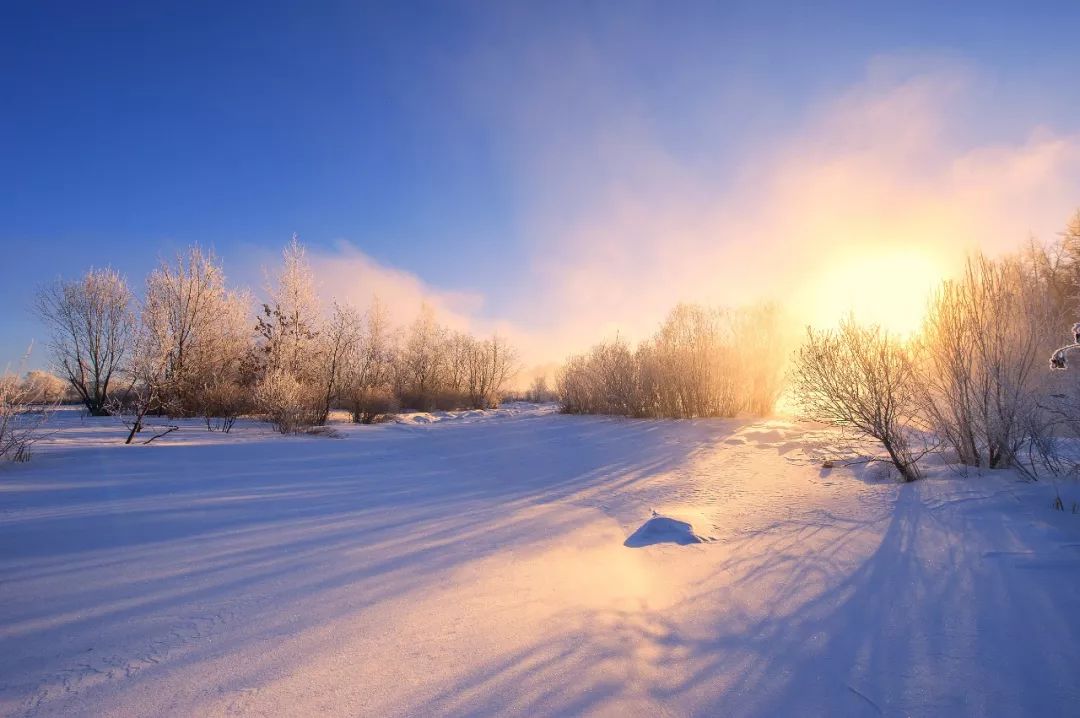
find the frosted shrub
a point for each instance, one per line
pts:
(286, 403)
(20, 422)
(222, 402)
(369, 406)
(41, 387)
(605, 381)
(862, 380)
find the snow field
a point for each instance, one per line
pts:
(475, 565)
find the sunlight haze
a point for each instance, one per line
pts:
(539, 359)
(558, 186)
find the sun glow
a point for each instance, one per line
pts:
(889, 288)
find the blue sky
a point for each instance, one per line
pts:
(456, 142)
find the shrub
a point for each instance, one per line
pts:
(861, 379)
(370, 406)
(20, 423)
(289, 406)
(223, 402)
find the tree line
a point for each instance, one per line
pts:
(972, 382)
(189, 346)
(701, 362)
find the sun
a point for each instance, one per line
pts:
(887, 287)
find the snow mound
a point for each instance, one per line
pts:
(663, 529)
(510, 409)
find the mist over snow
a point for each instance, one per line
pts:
(867, 201)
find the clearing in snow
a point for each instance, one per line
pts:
(474, 564)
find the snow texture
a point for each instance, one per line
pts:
(476, 566)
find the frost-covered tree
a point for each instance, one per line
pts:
(421, 363)
(604, 381)
(92, 332)
(42, 387)
(146, 372)
(982, 350)
(199, 326)
(539, 391)
(289, 348)
(369, 372)
(860, 379)
(763, 339)
(1056, 267)
(692, 362)
(291, 407)
(228, 365)
(288, 325)
(460, 347)
(488, 365)
(340, 340)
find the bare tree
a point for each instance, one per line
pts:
(982, 348)
(91, 323)
(340, 340)
(421, 365)
(367, 385)
(605, 381)
(860, 379)
(147, 374)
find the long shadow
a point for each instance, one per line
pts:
(132, 538)
(925, 623)
(889, 612)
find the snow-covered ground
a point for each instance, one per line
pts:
(482, 564)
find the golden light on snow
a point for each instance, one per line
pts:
(889, 288)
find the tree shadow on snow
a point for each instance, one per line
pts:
(890, 612)
(924, 623)
(138, 557)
